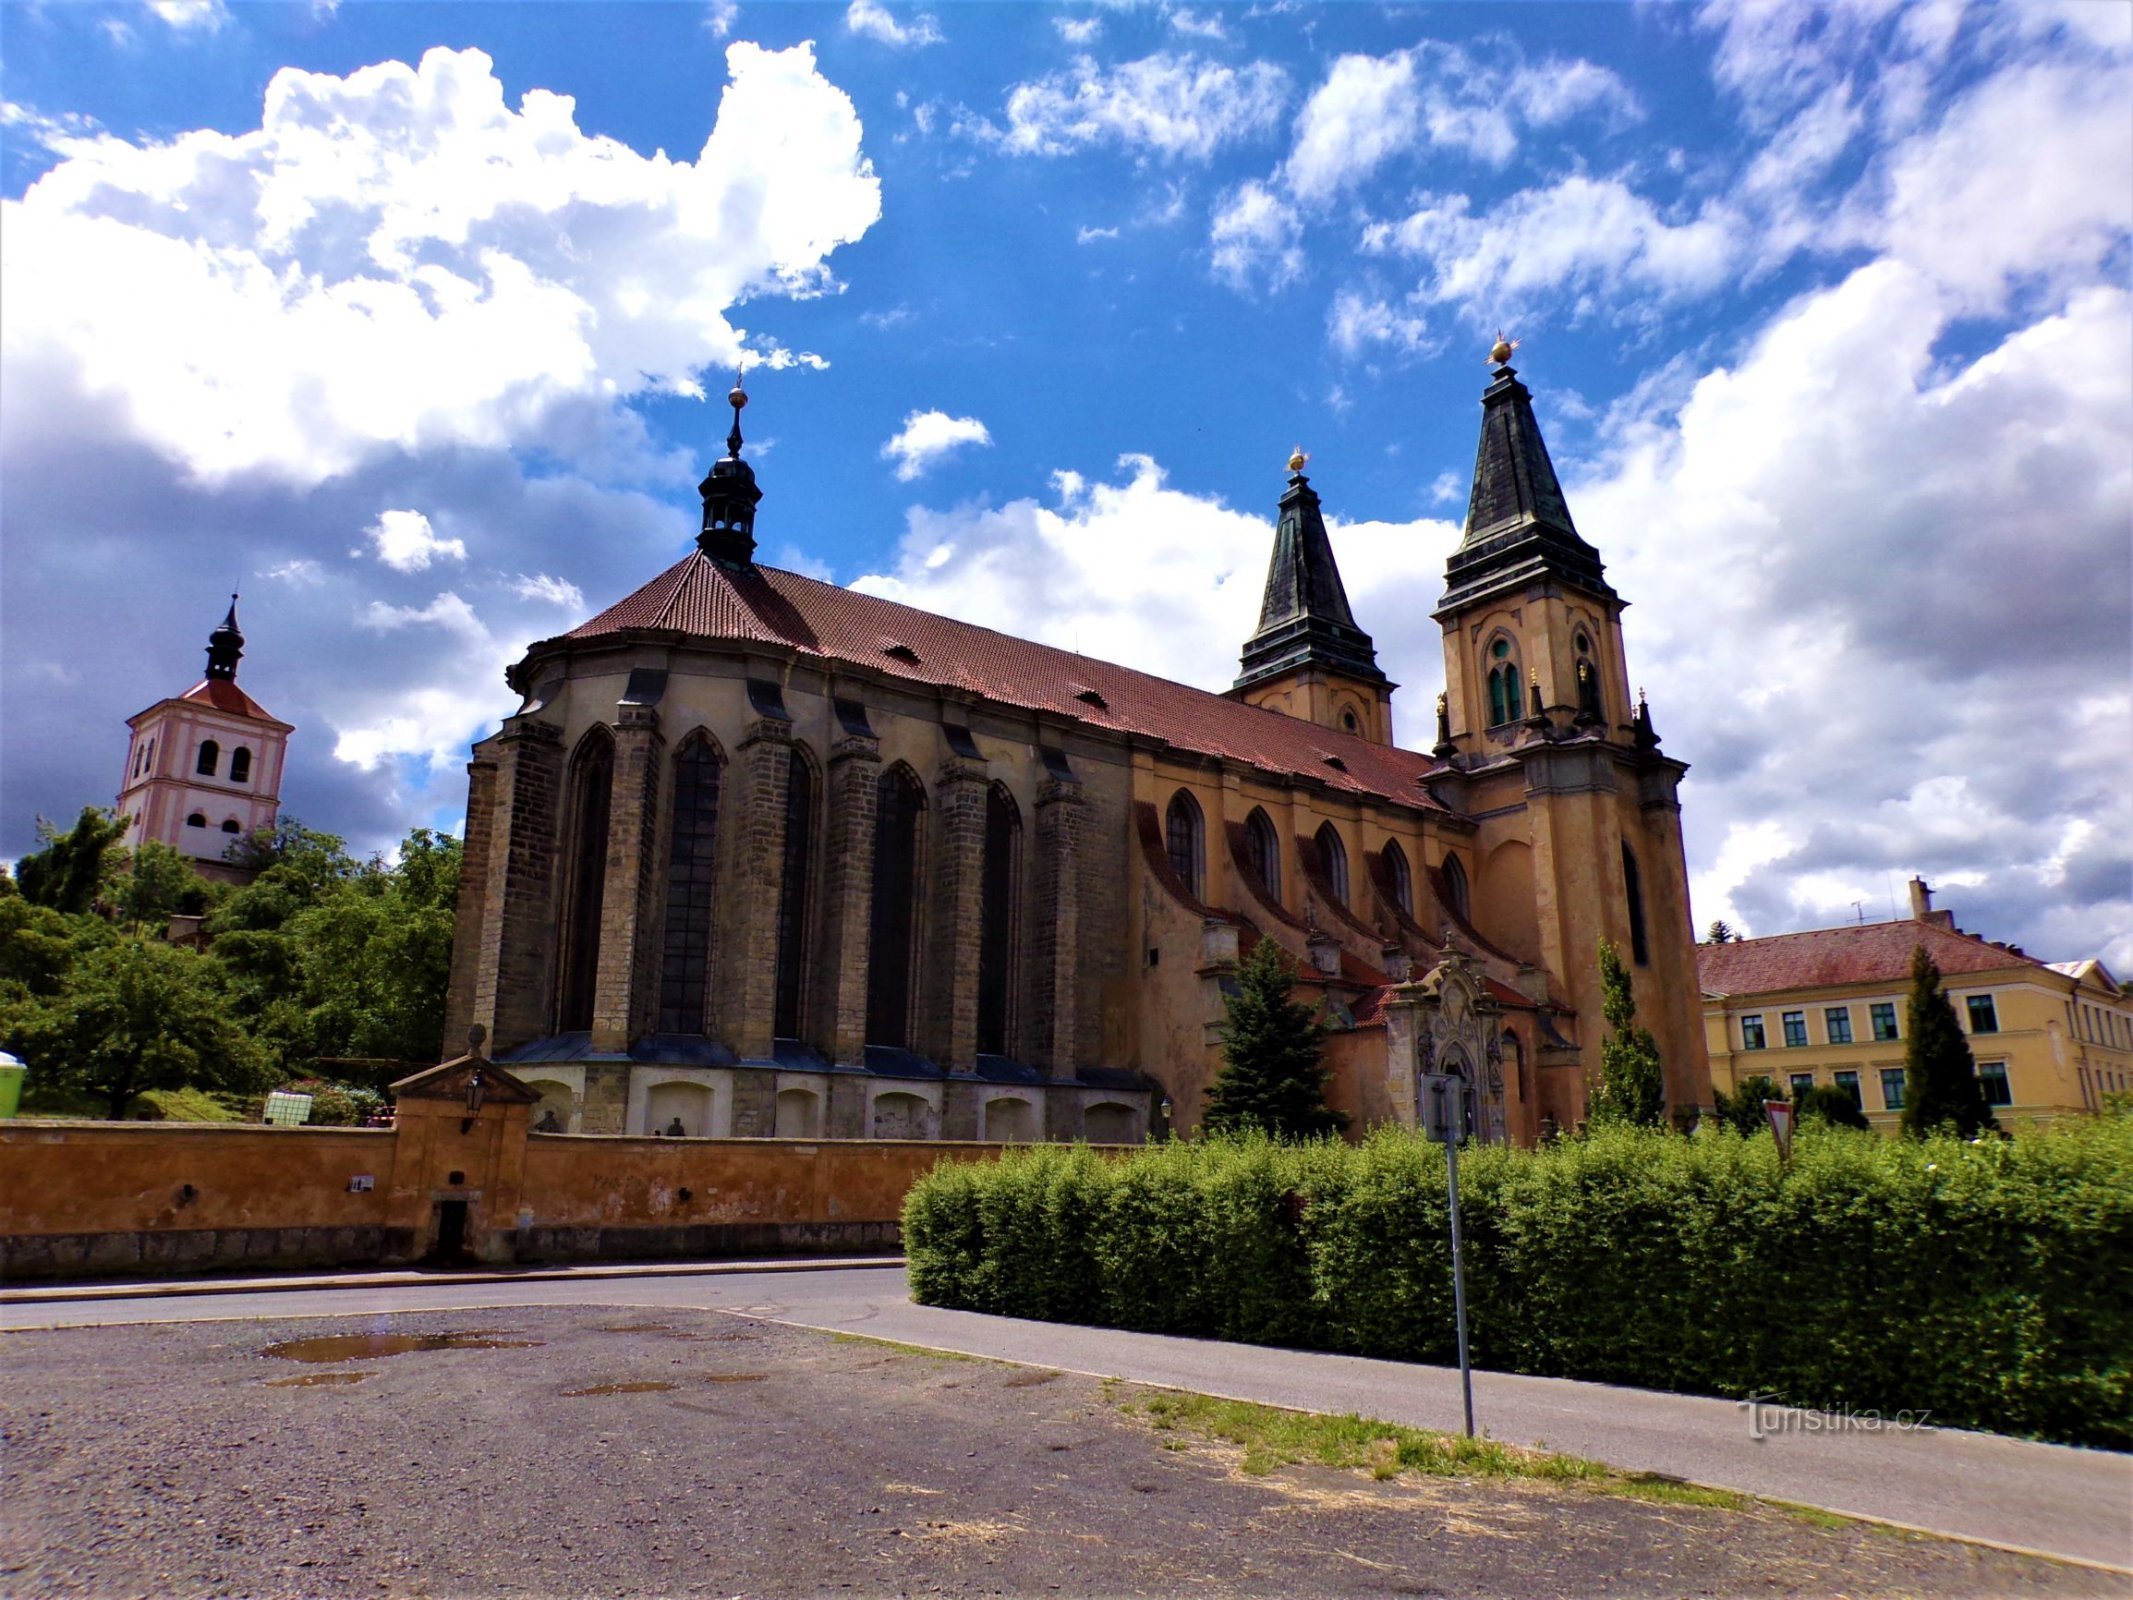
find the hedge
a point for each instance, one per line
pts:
(1990, 1284)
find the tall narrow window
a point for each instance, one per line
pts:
(1184, 834)
(1333, 860)
(898, 805)
(997, 921)
(240, 765)
(210, 754)
(1400, 877)
(1640, 949)
(793, 899)
(1263, 847)
(592, 781)
(1456, 890)
(1505, 704)
(692, 861)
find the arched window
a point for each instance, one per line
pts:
(999, 892)
(1401, 879)
(196, 820)
(1185, 834)
(1333, 860)
(1505, 704)
(1263, 845)
(899, 805)
(1640, 949)
(592, 777)
(793, 897)
(230, 825)
(210, 753)
(240, 765)
(1455, 889)
(692, 863)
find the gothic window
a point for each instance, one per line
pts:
(997, 920)
(1633, 888)
(1504, 702)
(692, 860)
(1333, 859)
(1185, 835)
(1263, 847)
(240, 765)
(210, 753)
(899, 804)
(1456, 890)
(793, 898)
(1402, 881)
(592, 776)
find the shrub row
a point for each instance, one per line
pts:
(1990, 1283)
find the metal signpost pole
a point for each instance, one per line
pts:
(1455, 1135)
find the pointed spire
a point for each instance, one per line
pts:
(1304, 619)
(224, 646)
(730, 497)
(1518, 525)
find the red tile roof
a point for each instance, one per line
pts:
(1870, 952)
(699, 599)
(224, 695)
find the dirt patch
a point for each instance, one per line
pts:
(334, 1348)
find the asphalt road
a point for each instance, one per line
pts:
(2047, 1499)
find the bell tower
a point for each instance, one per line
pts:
(1581, 833)
(1308, 658)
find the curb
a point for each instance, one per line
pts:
(166, 1288)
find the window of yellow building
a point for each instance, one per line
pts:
(1801, 1083)
(1849, 1081)
(1984, 1018)
(1884, 1015)
(1751, 1033)
(1892, 1088)
(1795, 1030)
(1992, 1076)
(1837, 1022)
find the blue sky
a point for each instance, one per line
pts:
(401, 318)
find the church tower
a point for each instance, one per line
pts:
(1581, 837)
(1308, 658)
(203, 769)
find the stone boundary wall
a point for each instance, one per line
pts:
(94, 1199)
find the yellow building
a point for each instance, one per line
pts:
(1827, 1007)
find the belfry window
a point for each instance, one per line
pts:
(1505, 704)
(1185, 837)
(210, 755)
(1333, 860)
(692, 862)
(1633, 888)
(899, 803)
(240, 765)
(997, 897)
(1401, 879)
(231, 825)
(1263, 851)
(196, 820)
(793, 898)
(591, 786)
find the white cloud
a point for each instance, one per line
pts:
(1194, 25)
(447, 611)
(928, 437)
(1094, 235)
(404, 541)
(549, 590)
(396, 260)
(719, 17)
(1367, 109)
(873, 20)
(301, 573)
(190, 16)
(1176, 107)
(1357, 322)
(1256, 238)
(1078, 30)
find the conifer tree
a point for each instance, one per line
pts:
(1941, 1087)
(1631, 1088)
(1273, 1075)
(1720, 932)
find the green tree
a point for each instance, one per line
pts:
(1631, 1088)
(1742, 1110)
(1273, 1075)
(133, 1015)
(1826, 1102)
(1941, 1086)
(155, 883)
(67, 870)
(1720, 932)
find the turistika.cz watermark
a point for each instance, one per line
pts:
(1767, 1415)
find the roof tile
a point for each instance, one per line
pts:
(1868, 952)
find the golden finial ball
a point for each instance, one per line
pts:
(1501, 350)
(1298, 460)
(736, 397)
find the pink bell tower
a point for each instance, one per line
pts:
(204, 769)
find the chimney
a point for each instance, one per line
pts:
(1922, 906)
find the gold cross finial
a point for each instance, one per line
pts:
(1298, 460)
(1501, 350)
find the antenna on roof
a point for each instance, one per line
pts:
(1860, 907)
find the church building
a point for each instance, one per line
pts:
(757, 855)
(203, 769)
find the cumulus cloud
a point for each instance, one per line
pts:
(405, 541)
(191, 16)
(549, 591)
(1357, 323)
(1078, 30)
(1174, 107)
(719, 17)
(1256, 239)
(397, 260)
(927, 438)
(872, 20)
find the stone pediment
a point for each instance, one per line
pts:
(448, 1081)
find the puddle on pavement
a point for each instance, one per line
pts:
(618, 1388)
(312, 1380)
(735, 1377)
(333, 1348)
